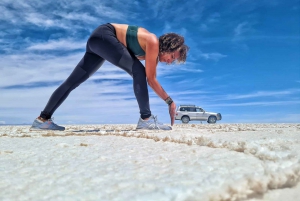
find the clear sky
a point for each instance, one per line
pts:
(244, 59)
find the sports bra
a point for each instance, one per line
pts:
(132, 41)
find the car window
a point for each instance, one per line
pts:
(192, 109)
(183, 109)
(199, 109)
(187, 109)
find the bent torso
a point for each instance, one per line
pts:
(142, 34)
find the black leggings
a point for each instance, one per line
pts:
(103, 45)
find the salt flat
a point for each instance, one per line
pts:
(114, 162)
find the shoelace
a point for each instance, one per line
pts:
(52, 119)
(155, 123)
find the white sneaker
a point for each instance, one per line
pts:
(47, 125)
(152, 124)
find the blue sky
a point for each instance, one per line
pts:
(244, 59)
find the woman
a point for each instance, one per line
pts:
(123, 45)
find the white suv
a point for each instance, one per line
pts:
(187, 113)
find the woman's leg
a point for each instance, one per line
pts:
(89, 64)
(140, 88)
(104, 43)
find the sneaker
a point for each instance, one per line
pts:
(152, 124)
(47, 125)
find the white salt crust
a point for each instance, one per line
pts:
(220, 162)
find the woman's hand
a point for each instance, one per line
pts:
(172, 112)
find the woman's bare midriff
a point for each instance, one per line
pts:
(121, 30)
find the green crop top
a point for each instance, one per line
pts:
(132, 41)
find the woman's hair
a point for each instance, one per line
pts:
(171, 42)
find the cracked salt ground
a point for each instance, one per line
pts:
(112, 162)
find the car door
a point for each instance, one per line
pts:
(201, 115)
(183, 112)
(192, 113)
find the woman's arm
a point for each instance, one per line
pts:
(152, 49)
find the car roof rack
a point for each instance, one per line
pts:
(188, 105)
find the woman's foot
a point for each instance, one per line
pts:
(43, 124)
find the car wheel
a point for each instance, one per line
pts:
(185, 119)
(212, 120)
